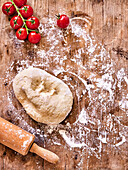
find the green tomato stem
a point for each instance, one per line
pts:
(34, 30)
(19, 14)
(10, 6)
(24, 20)
(58, 16)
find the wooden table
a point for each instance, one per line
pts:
(95, 67)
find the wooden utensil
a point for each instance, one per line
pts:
(22, 141)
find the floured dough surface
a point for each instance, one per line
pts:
(45, 98)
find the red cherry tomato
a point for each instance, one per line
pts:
(34, 37)
(8, 8)
(62, 21)
(26, 11)
(32, 23)
(20, 3)
(16, 22)
(21, 34)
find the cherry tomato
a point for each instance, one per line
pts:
(26, 11)
(20, 3)
(8, 8)
(16, 22)
(34, 37)
(21, 34)
(32, 23)
(62, 21)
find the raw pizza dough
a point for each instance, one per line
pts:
(45, 98)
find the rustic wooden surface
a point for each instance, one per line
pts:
(110, 26)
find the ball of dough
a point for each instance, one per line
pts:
(45, 98)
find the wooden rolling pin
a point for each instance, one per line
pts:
(22, 141)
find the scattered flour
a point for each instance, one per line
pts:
(95, 125)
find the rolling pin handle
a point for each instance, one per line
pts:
(44, 153)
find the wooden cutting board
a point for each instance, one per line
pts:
(91, 57)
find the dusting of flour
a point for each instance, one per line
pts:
(86, 63)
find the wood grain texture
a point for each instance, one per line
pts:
(110, 27)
